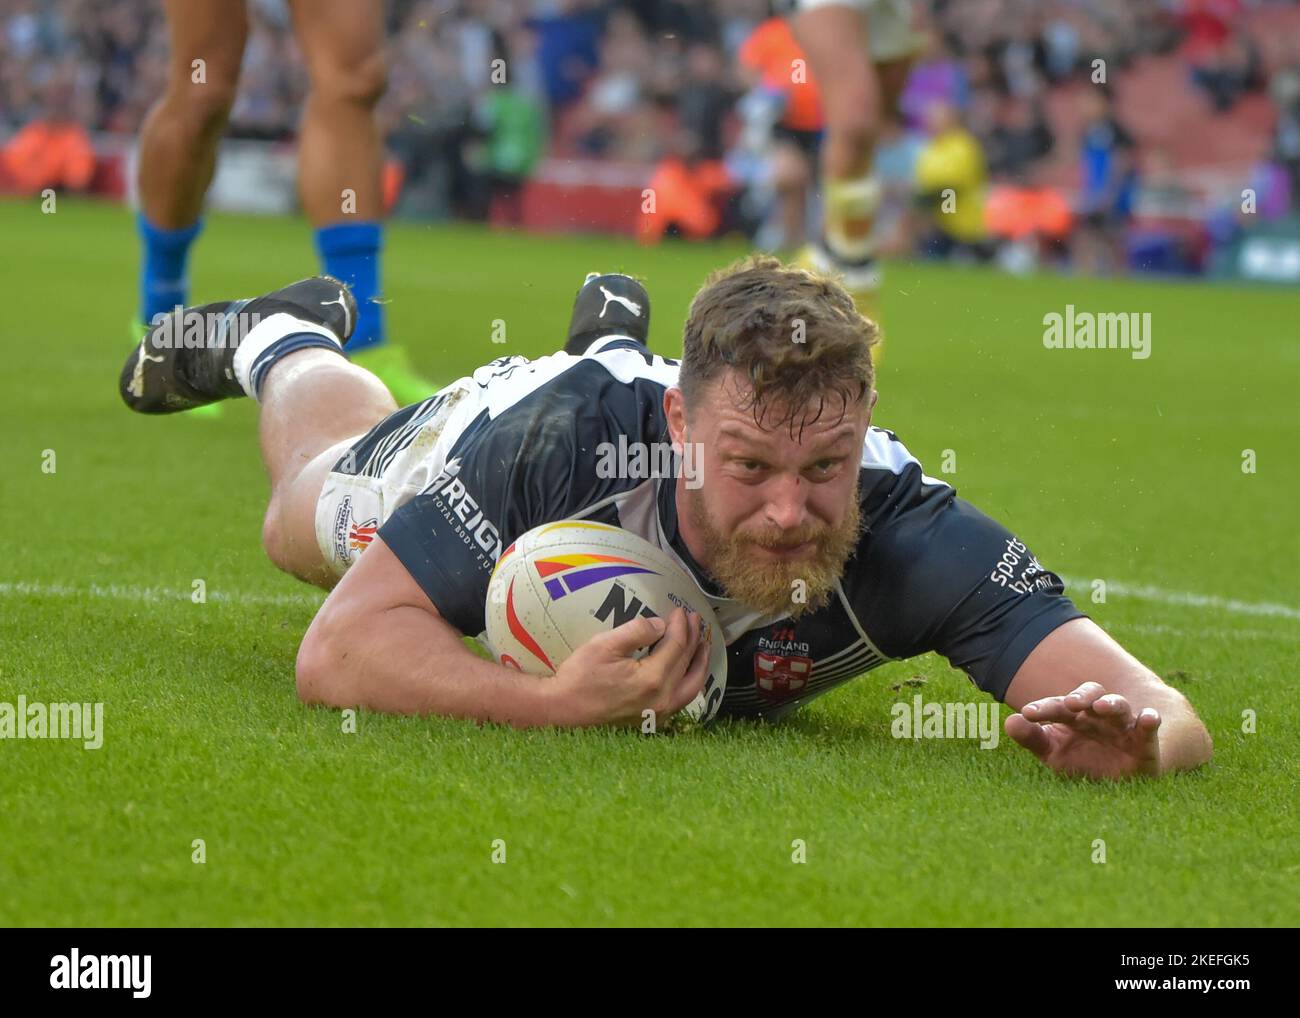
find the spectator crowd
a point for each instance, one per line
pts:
(1007, 141)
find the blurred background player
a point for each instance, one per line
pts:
(950, 183)
(1086, 171)
(859, 51)
(339, 155)
(1109, 183)
(782, 117)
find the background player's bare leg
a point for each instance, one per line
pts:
(834, 37)
(314, 404)
(858, 95)
(339, 145)
(179, 138)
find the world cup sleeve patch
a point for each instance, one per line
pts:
(352, 536)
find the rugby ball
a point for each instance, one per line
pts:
(560, 584)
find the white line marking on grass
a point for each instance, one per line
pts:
(1197, 634)
(117, 592)
(1145, 592)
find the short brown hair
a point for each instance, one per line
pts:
(796, 335)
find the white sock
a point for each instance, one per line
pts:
(272, 338)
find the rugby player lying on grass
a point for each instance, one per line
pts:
(403, 513)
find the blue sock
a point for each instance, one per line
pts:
(163, 279)
(350, 252)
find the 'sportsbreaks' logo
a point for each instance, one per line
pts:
(1019, 569)
(461, 510)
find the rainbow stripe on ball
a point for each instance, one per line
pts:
(566, 574)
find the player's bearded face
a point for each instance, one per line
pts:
(770, 582)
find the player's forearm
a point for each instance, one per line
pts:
(1185, 742)
(407, 661)
(1183, 739)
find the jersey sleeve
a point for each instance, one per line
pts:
(938, 575)
(536, 462)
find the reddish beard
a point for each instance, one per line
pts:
(777, 586)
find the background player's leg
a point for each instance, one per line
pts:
(340, 160)
(314, 404)
(179, 139)
(834, 38)
(892, 75)
(339, 150)
(791, 176)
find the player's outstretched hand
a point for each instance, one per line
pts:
(1089, 733)
(600, 683)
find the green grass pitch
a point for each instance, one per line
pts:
(1108, 467)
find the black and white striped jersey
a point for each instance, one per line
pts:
(931, 572)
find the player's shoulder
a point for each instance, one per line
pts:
(628, 361)
(551, 421)
(882, 449)
(614, 369)
(892, 481)
(923, 550)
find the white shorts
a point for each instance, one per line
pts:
(890, 29)
(387, 467)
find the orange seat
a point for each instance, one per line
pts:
(45, 154)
